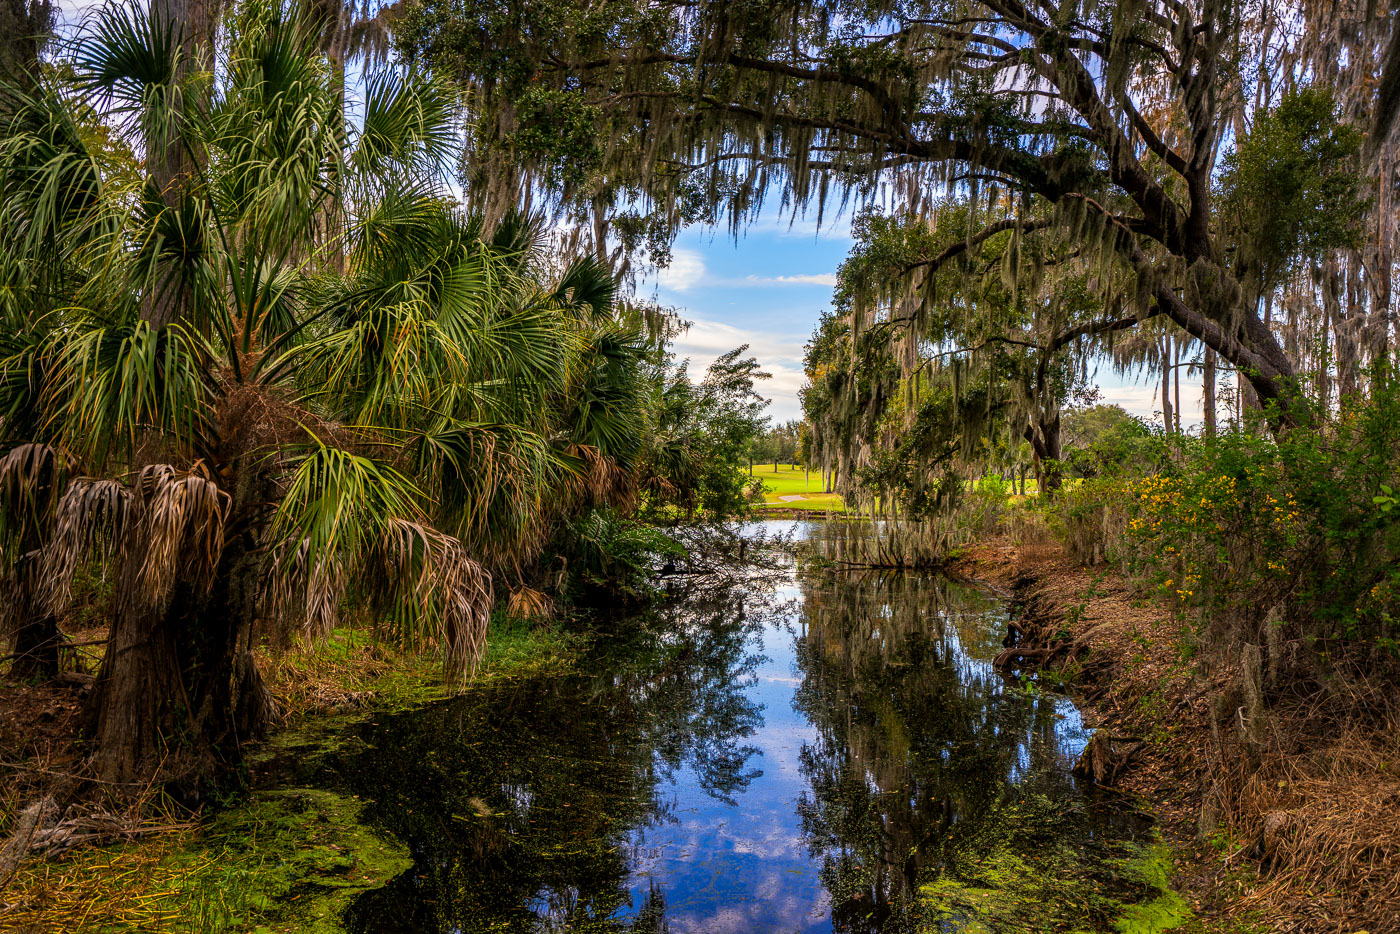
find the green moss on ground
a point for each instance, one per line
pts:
(286, 860)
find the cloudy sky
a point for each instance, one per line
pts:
(769, 289)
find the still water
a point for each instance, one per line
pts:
(835, 754)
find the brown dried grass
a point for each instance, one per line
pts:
(1309, 796)
(1324, 820)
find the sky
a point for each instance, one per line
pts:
(768, 290)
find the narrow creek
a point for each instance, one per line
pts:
(836, 756)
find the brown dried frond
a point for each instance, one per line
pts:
(440, 587)
(178, 530)
(91, 516)
(307, 591)
(32, 480)
(602, 481)
(529, 603)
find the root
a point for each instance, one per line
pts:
(1038, 641)
(1106, 757)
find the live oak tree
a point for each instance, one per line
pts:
(1012, 317)
(1106, 121)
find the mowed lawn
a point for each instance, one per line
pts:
(789, 481)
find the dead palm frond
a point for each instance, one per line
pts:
(89, 521)
(177, 532)
(529, 604)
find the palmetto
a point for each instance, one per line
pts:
(249, 439)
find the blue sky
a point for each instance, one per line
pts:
(769, 289)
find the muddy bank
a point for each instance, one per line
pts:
(1293, 839)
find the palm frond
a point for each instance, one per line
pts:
(90, 519)
(587, 289)
(491, 483)
(335, 507)
(433, 593)
(410, 126)
(346, 517)
(130, 55)
(110, 385)
(177, 532)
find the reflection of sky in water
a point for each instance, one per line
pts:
(742, 868)
(746, 867)
(789, 776)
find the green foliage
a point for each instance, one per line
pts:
(1288, 533)
(613, 558)
(557, 128)
(1292, 188)
(1104, 440)
(704, 433)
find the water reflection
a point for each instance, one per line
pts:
(849, 763)
(524, 804)
(920, 741)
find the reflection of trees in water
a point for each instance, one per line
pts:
(518, 801)
(920, 744)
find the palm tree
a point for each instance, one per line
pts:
(291, 443)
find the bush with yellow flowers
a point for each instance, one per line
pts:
(1296, 533)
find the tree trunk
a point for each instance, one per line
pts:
(1176, 383)
(24, 27)
(1044, 438)
(169, 162)
(37, 643)
(142, 705)
(35, 637)
(1164, 351)
(1208, 393)
(179, 693)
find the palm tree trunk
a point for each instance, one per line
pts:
(178, 693)
(37, 643)
(169, 162)
(24, 26)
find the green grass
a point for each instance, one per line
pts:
(788, 480)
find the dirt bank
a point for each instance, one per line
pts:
(1302, 834)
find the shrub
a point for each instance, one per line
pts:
(1287, 542)
(613, 559)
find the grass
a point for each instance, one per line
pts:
(790, 480)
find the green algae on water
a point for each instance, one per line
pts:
(281, 861)
(1036, 866)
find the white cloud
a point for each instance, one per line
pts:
(824, 278)
(779, 354)
(1144, 402)
(835, 226)
(685, 272)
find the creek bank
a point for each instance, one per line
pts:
(1127, 661)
